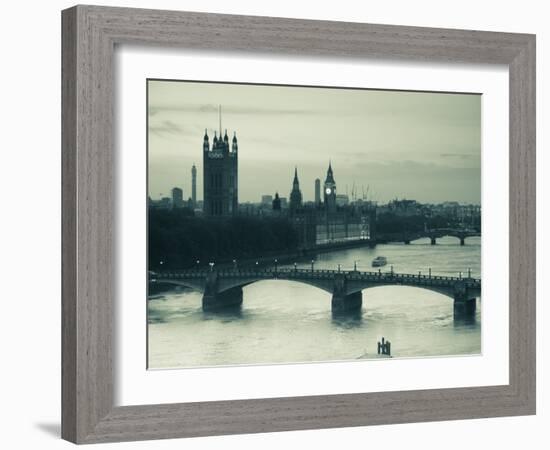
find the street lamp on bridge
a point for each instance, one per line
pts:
(312, 264)
(295, 267)
(211, 264)
(339, 267)
(355, 265)
(235, 264)
(276, 261)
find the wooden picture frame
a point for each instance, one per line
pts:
(90, 34)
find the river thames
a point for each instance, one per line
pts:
(290, 322)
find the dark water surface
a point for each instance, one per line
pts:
(283, 321)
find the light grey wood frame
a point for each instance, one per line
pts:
(89, 37)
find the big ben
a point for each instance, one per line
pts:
(330, 191)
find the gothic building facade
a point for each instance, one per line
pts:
(220, 175)
(327, 223)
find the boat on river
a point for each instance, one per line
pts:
(379, 261)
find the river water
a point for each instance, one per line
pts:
(286, 322)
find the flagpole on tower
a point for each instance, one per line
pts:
(220, 116)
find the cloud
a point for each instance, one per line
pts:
(166, 127)
(213, 108)
(460, 155)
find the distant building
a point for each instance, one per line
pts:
(163, 203)
(220, 175)
(177, 198)
(317, 191)
(267, 200)
(405, 207)
(248, 209)
(194, 185)
(284, 202)
(342, 200)
(295, 194)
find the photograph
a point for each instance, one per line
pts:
(300, 224)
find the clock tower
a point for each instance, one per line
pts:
(330, 191)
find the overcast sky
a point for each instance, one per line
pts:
(391, 144)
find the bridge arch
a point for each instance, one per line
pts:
(352, 286)
(433, 238)
(195, 285)
(446, 292)
(326, 286)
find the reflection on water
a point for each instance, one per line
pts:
(283, 321)
(228, 313)
(347, 319)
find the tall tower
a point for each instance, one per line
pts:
(220, 174)
(330, 191)
(194, 186)
(295, 194)
(317, 191)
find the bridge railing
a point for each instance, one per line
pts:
(321, 274)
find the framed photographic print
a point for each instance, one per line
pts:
(266, 226)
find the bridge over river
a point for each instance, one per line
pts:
(223, 287)
(433, 234)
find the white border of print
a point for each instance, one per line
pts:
(135, 385)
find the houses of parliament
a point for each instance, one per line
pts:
(318, 223)
(326, 222)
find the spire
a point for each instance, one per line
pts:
(205, 142)
(295, 194)
(330, 176)
(234, 146)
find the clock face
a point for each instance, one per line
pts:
(328, 191)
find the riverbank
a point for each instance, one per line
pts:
(286, 257)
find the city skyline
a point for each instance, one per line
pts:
(441, 131)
